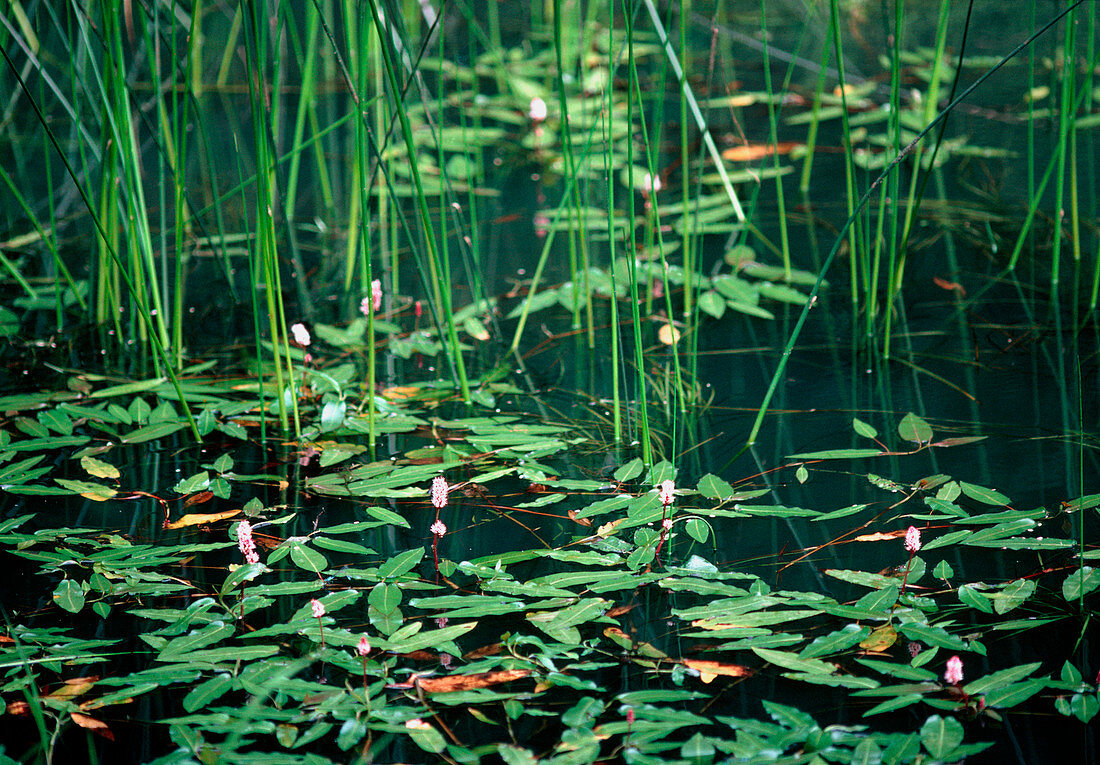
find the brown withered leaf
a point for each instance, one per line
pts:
(708, 670)
(880, 536)
(470, 682)
(194, 519)
(95, 726)
(198, 498)
(581, 521)
(74, 687)
(486, 650)
(620, 610)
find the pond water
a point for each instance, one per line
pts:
(553, 605)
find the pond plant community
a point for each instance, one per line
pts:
(392, 381)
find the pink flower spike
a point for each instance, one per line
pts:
(438, 528)
(418, 309)
(245, 542)
(665, 492)
(650, 184)
(439, 491)
(317, 607)
(301, 334)
(630, 715)
(376, 294)
(912, 539)
(666, 524)
(954, 672)
(364, 646)
(538, 111)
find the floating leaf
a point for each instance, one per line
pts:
(98, 468)
(913, 428)
(984, 495)
(882, 638)
(69, 595)
(453, 683)
(863, 429)
(708, 670)
(93, 491)
(1080, 582)
(940, 735)
(837, 454)
(195, 519)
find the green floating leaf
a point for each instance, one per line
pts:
(1081, 582)
(401, 563)
(630, 470)
(205, 692)
(1000, 678)
(713, 487)
(837, 454)
(1013, 594)
(152, 432)
(940, 735)
(307, 558)
(863, 429)
(201, 638)
(983, 495)
(69, 595)
(913, 428)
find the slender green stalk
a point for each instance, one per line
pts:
(773, 132)
(632, 253)
(793, 338)
(147, 320)
(443, 297)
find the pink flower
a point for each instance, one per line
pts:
(650, 184)
(317, 607)
(418, 309)
(912, 539)
(954, 672)
(439, 491)
(665, 492)
(301, 334)
(630, 715)
(364, 646)
(438, 528)
(666, 524)
(376, 294)
(245, 542)
(537, 112)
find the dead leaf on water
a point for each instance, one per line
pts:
(879, 640)
(95, 726)
(708, 670)
(194, 519)
(750, 151)
(880, 536)
(454, 683)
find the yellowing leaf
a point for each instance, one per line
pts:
(880, 536)
(98, 468)
(194, 519)
(609, 528)
(879, 640)
(714, 668)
